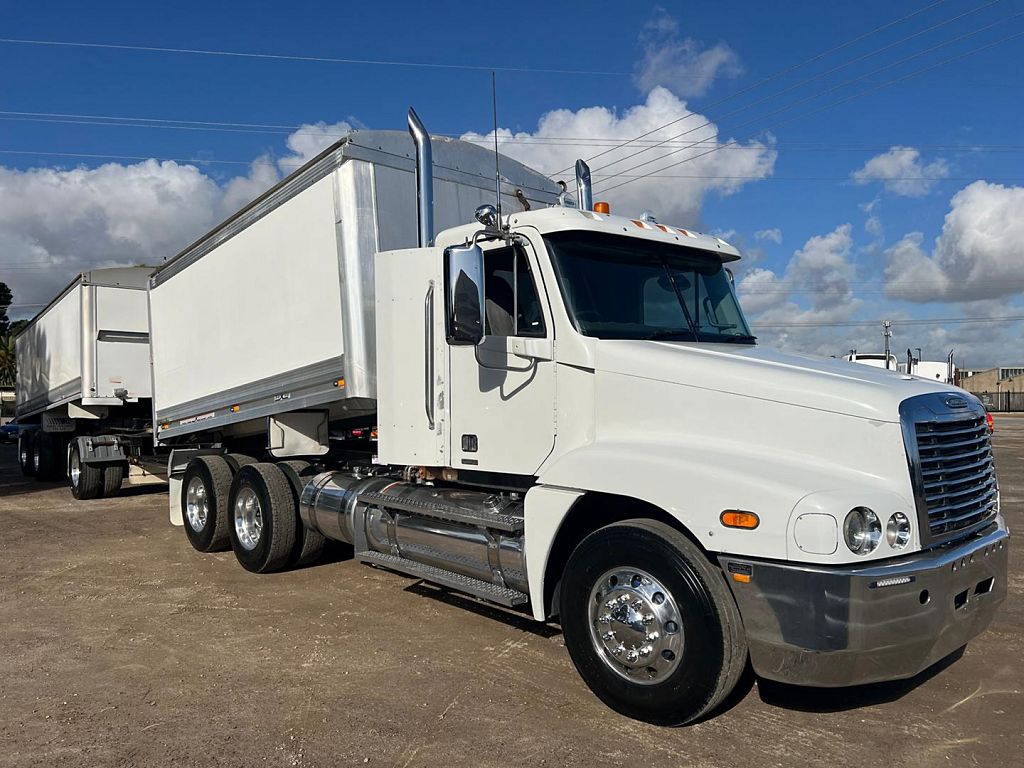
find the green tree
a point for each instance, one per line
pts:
(6, 297)
(8, 362)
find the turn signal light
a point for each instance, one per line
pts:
(735, 518)
(602, 208)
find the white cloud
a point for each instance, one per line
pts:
(56, 222)
(309, 140)
(675, 197)
(774, 235)
(902, 172)
(978, 255)
(814, 288)
(682, 64)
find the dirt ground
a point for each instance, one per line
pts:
(121, 646)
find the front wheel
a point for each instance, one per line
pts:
(650, 624)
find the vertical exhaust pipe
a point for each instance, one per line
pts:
(424, 180)
(584, 190)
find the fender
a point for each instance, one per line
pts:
(695, 482)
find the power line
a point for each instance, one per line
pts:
(319, 59)
(864, 92)
(770, 78)
(918, 321)
(813, 78)
(271, 128)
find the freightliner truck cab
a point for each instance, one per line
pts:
(693, 497)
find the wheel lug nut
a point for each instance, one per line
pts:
(617, 651)
(637, 605)
(648, 619)
(609, 635)
(606, 619)
(632, 656)
(651, 637)
(646, 650)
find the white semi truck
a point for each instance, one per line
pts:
(83, 394)
(564, 412)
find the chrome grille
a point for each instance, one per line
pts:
(958, 479)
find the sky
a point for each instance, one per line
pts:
(867, 158)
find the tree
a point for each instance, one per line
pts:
(6, 297)
(8, 362)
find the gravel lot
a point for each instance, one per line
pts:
(120, 645)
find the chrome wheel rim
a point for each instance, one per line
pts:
(635, 626)
(75, 469)
(36, 458)
(248, 518)
(197, 504)
(24, 455)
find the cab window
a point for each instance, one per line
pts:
(510, 294)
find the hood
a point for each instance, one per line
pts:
(821, 383)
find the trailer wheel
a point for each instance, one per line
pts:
(206, 488)
(113, 475)
(309, 544)
(26, 453)
(86, 479)
(650, 624)
(263, 518)
(45, 450)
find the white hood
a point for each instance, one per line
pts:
(761, 372)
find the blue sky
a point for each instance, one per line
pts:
(836, 245)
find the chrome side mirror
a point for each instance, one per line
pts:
(464, 294)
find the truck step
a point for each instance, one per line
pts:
(440, 510)
(494, 593)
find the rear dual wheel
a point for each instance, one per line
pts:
(264, 518)
(47, 450)
(26, 453)
(92, 481)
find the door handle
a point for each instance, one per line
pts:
(428, 354)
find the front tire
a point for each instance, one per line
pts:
(263, 518)
(650, 624)
(86, 480)
(205, 489)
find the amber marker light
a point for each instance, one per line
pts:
(735, 518)
(602, 208)
(234, 409)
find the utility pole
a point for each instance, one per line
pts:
(887, 333)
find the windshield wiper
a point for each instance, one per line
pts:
(666, 333)
(736, 338)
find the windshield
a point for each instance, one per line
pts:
(627, 288)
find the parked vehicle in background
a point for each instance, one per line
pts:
(944, 371)
(9, 432)
(83, 383)
(563, 411)
(873, 359)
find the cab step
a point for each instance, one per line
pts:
(440, 510)
(494, 593)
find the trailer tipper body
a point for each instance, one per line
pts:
(563, 411)
(83, 370)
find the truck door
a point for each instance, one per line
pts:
(503, 391)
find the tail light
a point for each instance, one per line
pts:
(991, 422)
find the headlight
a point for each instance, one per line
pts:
(862, 531)
(897, 531)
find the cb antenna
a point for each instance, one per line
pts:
(497, 168)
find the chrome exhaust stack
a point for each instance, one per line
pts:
(584, 189)
(424, 180)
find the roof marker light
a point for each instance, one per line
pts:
(602, 208)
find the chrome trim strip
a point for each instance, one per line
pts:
(271, 386)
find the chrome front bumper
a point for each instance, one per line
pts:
(827, 626)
